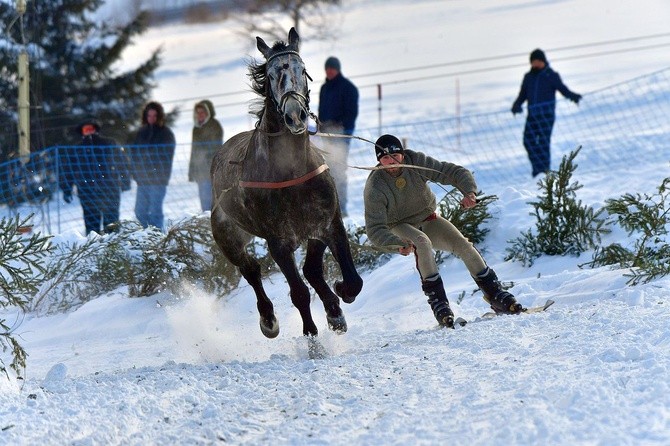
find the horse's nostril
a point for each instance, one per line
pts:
(289, 120)
(303, 115)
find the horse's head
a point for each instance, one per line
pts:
(287, 81)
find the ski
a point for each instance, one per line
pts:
(461, 322)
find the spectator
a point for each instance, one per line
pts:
(539, 89)
(207, 138)
(400, 214)
(338, 109)
(151, 159)
(98, 167)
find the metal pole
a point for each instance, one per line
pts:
(458, 115)
(379, 108)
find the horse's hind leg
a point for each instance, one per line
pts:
(351, 283)
(313, 271)
(282, 254)
(232, 242)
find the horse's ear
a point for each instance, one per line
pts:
(262, 47)
(294, 39)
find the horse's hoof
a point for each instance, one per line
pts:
(270, 329)
(337, 324)
(339, 290)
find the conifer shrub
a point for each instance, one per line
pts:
(22, 266)
(564, 226)
(80, 271)
(647, 219)
(147, 261)
(470, 222)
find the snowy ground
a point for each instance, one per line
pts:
(190, 369)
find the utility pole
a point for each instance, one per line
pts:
(24, 94)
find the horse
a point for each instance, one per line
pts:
(273, 183)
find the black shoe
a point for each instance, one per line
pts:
(437, 298)
(442, 312)
(501, 301)
(504, 303)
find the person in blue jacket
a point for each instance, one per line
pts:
(539, 89)
(151, 158)
(98, 167)
(338, 110)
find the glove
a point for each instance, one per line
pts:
(576, 98)
(516, 109)
(67, 196)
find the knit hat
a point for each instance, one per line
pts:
(88, 127)
(538, 54)
(387, 145)
(333, 62)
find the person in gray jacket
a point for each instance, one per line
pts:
(400, 214)
(207, 139)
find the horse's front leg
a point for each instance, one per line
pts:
(282, 253)
(313, 271)
(232, 242)
(351, 283)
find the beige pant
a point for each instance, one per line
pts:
(439, 234)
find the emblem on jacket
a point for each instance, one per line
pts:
(400, 183)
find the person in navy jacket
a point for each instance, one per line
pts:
(98, 167)
(338, 110)
(151, 158)
(539, 89)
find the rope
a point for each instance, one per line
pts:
(392, 166)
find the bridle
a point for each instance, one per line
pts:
(302, 99)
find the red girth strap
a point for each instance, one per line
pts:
(282, 184)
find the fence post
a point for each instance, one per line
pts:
(379, 108)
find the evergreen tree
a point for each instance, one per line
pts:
(72, 73)
(564, 225)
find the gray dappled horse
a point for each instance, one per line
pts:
(273, 183)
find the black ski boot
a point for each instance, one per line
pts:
(437, 298)
(500, 300)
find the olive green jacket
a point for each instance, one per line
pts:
(207, 139)
(390, 201)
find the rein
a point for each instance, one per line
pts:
(407, 166)
(338, 135)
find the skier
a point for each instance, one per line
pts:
(400, 214)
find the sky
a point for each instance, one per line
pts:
(193, 369)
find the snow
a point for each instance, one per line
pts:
(191, 369)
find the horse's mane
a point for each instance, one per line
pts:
(259, 81)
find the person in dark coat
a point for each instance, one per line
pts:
(206, 140)
(98, 167)
(151, 161)
(539, 88)
(338, 110)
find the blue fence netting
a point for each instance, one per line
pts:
(620, 126)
